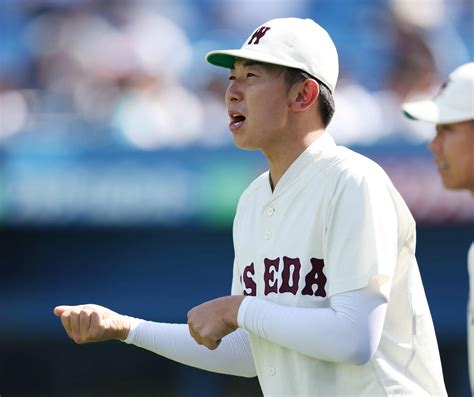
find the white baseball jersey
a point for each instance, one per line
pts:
(470, 316)
(333, 223)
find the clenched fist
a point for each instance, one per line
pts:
(92, 323)
(209, 322)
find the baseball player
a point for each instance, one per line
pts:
(327, 298)
(453, 149)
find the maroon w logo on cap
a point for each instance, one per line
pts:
(442, 88)
(259, 34)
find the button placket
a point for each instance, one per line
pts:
(267, 222)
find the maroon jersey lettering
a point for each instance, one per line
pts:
(291, 268)
(250, 288)
(315, 277)
(271, 267)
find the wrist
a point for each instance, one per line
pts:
(241, 315)
(123, 328)
(128, 332)
(237, 301)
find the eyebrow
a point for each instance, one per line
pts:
(248, 62)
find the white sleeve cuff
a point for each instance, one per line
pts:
(134, 323)
(243, 310)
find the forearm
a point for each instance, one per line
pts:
(173, 341)
(348, 331)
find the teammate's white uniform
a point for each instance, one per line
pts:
(333, 223)
(452, 110)
(470, 316)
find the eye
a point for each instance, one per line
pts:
(231, 77)
(444, 128)
(250, 75)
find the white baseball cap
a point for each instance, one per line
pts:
(453, 104)
(291, 42)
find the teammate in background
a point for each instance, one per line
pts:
(453, 149)
(327, 299)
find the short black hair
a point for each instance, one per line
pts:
(326, 105)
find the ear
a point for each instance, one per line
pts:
(303, 95)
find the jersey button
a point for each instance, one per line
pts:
(271, 371)
(270, 211)
(268, 235)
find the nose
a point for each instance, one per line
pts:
(233, 92)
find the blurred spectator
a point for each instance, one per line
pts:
(132, 67)
(14, 112)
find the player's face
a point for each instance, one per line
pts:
(453, 150)
(257, 102)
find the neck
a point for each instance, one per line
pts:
(281, 159)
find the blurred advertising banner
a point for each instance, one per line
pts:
(176, 187)
(168, 188)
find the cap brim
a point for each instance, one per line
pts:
(226, 58)
(432, 112)
(423, 110)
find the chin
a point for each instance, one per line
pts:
(451, 185)
(241, 144)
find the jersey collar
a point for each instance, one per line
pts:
(312, 152)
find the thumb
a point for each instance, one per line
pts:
(58, 310)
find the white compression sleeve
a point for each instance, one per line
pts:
(173, 341)
(348, 331)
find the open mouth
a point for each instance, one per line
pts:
(236, 121)
(441, 165)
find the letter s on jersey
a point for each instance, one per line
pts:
(250, 288)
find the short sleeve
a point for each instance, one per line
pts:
(361, 239)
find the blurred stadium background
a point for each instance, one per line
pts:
(118, 177)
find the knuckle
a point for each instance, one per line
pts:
(84, 315)
(66, 315)
(95, 319)
(95, 333)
